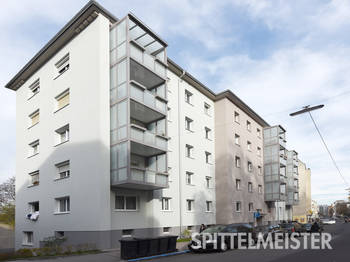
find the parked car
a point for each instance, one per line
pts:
(292, 227)
(266, 230)
(232, 228)
(328, 221)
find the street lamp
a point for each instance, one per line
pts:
(308, 109)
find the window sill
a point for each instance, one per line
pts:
(189, 130)
(59, 109)
(167, 211)
(190, 184)
(190, 157)
(237, 122)
(33, 155)
(189, 211)
(237, 144)
(209, 163)
(124, 210)
(61, 213)
(33, 185)
(31, 96)
(33, 125)
(209, 211)
(61, 178)
(28, 244)
(61, 143)
(60, 74)
(209, 139)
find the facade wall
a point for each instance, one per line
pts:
(302, 210)
(87, 149)
(227, 173)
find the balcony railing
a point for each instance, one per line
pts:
(138, 53)
(149, 177)
(283, 161)
(140, 93)
(143, 136)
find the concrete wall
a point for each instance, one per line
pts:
(301, 211)
(226, 173)
(88, 148)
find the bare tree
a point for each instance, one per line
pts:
(7, 192)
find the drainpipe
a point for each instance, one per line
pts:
(180, 146)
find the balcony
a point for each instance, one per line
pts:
(282, 142)
(145, 143)
(144, 105)
(141, 179)
(283, 161)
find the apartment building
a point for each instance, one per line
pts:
(302, 211)
(239, 162)
(114, 139)
(292, 187)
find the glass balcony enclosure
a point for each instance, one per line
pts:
(138, 106)
(275, 162)
(292, 177)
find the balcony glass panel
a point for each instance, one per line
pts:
(160, 69)
(148, 61)
(150, 176)
(121, 32)
(148, 138)
(121, 50)
(136, 53)
(147, 98)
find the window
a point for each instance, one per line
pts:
(238, 207)
(62, 100)
(249, 126)
(34, 178)
(62, 134)
(62, 205)
(127, 232)
(238, 161)
(33, 207)
(238, 184)
(188, 97)
(260, 189)
(296, 196)
(250, 166)
(166, 230)
(169, 114)
(207, 109)
(258, 132)
(207, 133)
(59, 234)
(63, 170)
(188, 124)
(209, 206)
(34, 118)
(34, 88)
(250, 187)
(165, 203)
(189, 176)
(208, 181)
(236, 117)
(237, 139)
(190, 228)
(250, 207)
(258, 149)
(189, 151)
(62, 65)
(190, 204)
(259, 170)
(207, 157)
(33, 148)
(28, 238)
(249, 145)
(128, 203)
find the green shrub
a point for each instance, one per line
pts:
(24, 252)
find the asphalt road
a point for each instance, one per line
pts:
(340, 252)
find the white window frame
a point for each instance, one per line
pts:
(34, 148)
(250, 187)
(189, 178)
(238, 184)
(62, 132)
(236, 117)
(190, 205)
(188, 97)
(28, 241)
(207, 109)
(249, 126)
(258, 131)
(249, 145)
(62, 65)
(31, 116)
(237, 161)
(33, 182)
(251, 207)
(207, 131)
(67, 205)
(258, 149)
(125, 197)
(208, 157)
(237, 139)
(209, 206)
(259, 170)
(59, 97)
(250, 166)
(63, 174)
(188, 124)
(34, 88)
(260, 189)
(189, 151)
(208, 181)
(238, 204)
(166, 203)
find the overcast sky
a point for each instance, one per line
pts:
(275, 55)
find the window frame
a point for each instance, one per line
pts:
(189, 205)
(238, 204)
(67, 205)
(188, 97)
(209, 206)
(166, 203)
(125, 203)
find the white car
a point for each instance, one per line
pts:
(328, 221)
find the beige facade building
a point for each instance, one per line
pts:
(302, 211)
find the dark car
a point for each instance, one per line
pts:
(232, 228)
(287, 228)
(299, 228)
(267, 230)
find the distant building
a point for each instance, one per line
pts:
(302, 212)
(323, 210)
(314, 209)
